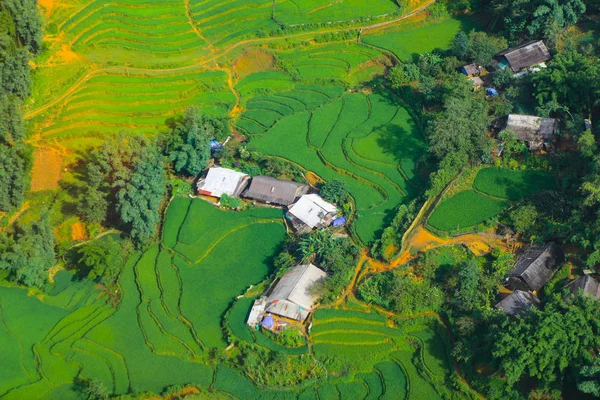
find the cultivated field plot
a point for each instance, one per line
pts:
(493, 190)
(363, 139)
(170, 313)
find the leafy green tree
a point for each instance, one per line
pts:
(95, 390)
(27, 253)
(335, 191)
(571, 81)
(535, 18)
(587, 143)
(101, 258)
(27, 22)
(589, 378)
(545, 343)
(460, 45)
(188, 145)
(460, 130)
(523, 218)
(403, 74)
(468, 277)
(483, 47)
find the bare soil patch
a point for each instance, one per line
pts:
(46, 171)
(253, 61)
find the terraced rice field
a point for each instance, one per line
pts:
(493, 190)
(363, 139)
(170, 314)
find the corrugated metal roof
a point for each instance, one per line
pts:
(221, 181)
(518, 303)
(313, 210)
(538, 264)
(275, 191)
(526, 54)
(530, 128)
(291, 297)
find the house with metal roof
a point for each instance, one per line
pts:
(292, 297)
(587, 285)
(535, 267)
(523, 56)
(311, 212)
(536, 132)
(220, 181)
(518, 303)
(470, 70)
(275, 191)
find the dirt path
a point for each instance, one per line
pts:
(24, 207)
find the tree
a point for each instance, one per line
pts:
(468, 278)
(535, 18)
(27, 22)
(335, 191)
(27, 253)
(460, 45)
(545, 343)
(589, 378)
(483, 47)
(460, 130)
(571, 81)
(188, 145)
(101, 258)
(94, 389)
(523, 218)
(587, 143)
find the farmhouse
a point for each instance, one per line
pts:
(535, 267)
(536, 132)
(518, 303)
(291, 298)
(522, 56)
(220, 181)
(587, 284)
(311, 212)
(275, 191)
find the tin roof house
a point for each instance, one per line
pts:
(292, 297)
(535, 267)
(220, 181)
(275, 191)
(521, 57)
(311, 212)
(536, 132)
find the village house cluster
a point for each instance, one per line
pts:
(536, 132)
(290, 300)
(533, 269)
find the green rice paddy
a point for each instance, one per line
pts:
(493, 190)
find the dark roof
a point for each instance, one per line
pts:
(587, 284)
(518, 303)
(275, 191)
(538, 264)
(526, 54)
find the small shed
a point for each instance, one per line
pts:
(275, 191)
(470, 69)
(220, 181)
(518, 303)
(293, 296)
(534, 131)
(535, 267)
(477, 81)
(257, 312)
(311, 212)
(524, 55)
(587, 285)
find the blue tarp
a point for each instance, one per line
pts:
(491, 92)
(339, 221)
(214, 144)
(268, 322)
